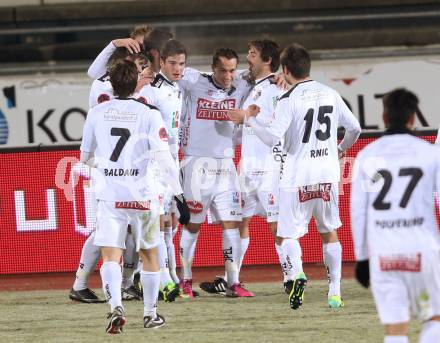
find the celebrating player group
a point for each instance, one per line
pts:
(147, 105)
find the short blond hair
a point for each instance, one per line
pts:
(141, 30)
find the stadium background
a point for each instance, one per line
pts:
(40, 231)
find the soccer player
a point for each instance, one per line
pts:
(126, 139)
(259, 164)
(308, 116)
(101, 91)
(393, 221)
(208, 172)
(165, 94)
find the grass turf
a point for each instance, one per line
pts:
(49, 316)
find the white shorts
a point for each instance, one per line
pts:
(260, 202)
(297, 207)
(398, 293)
(114, 217)
(210, 183)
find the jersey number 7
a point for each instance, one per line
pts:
(124, 135)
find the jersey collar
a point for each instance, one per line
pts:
(258, 81)
(161, 77)
(398, 130)
(228, 90)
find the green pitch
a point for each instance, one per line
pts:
(49, 316)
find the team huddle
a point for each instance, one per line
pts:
(146, 106)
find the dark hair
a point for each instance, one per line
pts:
(140, 30)
(122, 53)
(223, 52)
(123, 78)
(269, 50)
(297, 61)
(156, 39)
(171, 48)
(400, 104)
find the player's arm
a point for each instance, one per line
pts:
(189, 78)
(350, 124)
(158, 142)
(88, 143)
(272, 134)
(437, 140)
(358, 216)
(99, 65)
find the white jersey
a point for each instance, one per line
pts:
(308, 116)
(122, 134)
(392, 197)
(167, 97)
(101, 91)
(437, 139)
(258, 159)
(207, 130)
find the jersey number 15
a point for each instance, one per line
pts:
(322, 119)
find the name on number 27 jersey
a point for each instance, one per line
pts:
(123, 134)
(308, 116)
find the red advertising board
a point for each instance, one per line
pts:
(44, 223)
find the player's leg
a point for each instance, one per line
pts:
(169, 235)
(198, 198)
(188, 242)
(293, 220)
(131, 261)
(147, 235)
(90, 256)
(168, 289)
(150, 279)
(326, 213)
(111, 230)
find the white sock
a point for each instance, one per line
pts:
(171, 254)
(111, 276)
(90, 255)
(279, 250)
(131, 260)
(332, 253)
(231, 246)
(395, 339)
(292, 255)
(244, 244)
(150, 286)
(165, 277)
(188, 243)
(430, 332)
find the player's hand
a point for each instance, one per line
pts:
(130, 44)
(146, 77)
(341, 154)
(362, 273)
(183, 208)
(237, 115)
(252, 111)
(280, 81)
